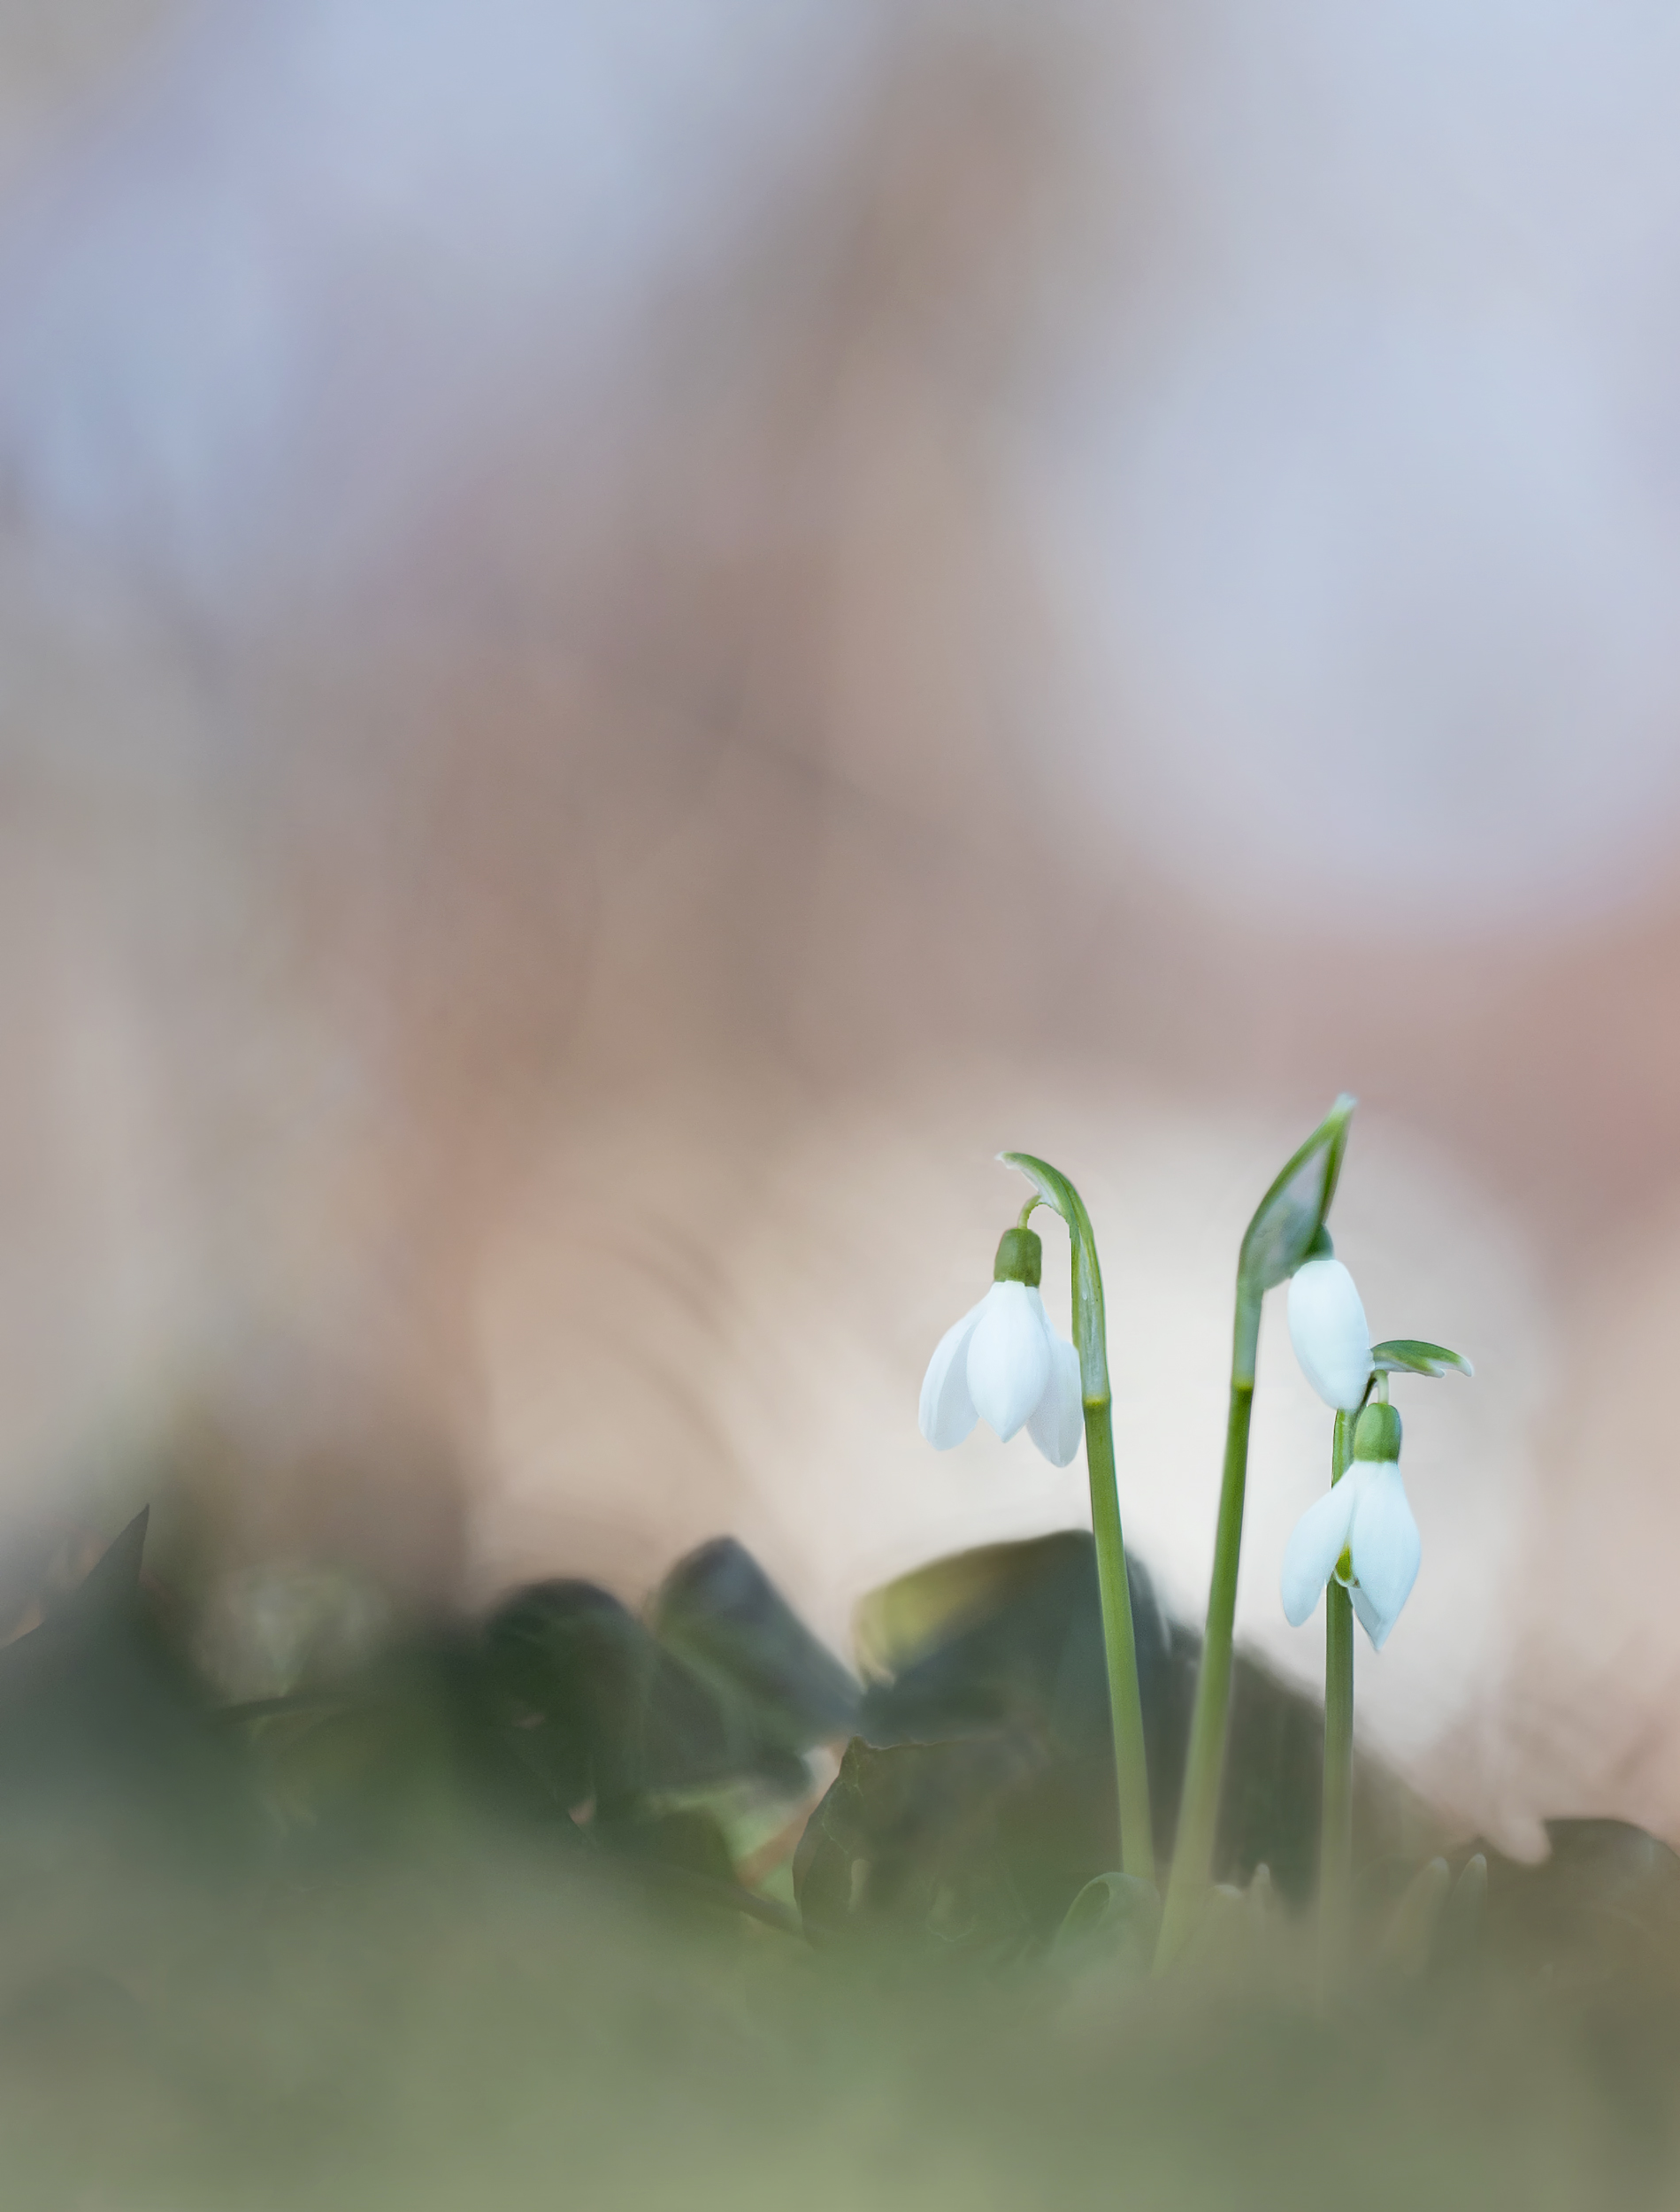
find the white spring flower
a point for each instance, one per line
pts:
(1002, 1362)
(1362, 1531)
(1328, 1328)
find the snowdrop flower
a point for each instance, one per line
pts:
(1004, 1363)
(1360, 1531)
(1328, 1328)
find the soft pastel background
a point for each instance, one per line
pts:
(631, 635)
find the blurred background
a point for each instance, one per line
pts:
(630, 637)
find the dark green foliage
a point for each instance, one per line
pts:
(907, 1846)
(774, 1689)
(1021, 1647)
(1006, 1646)
(974, 1804)
(568, 1677)
(722, 1682)
(1605, 1899)
(105, 1728)
(447, 1930)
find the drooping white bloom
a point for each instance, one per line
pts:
(1328, 1328)
(1004, 1363)
(1361, 1531)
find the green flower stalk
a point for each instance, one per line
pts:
(1120, 1646)
(1336, 1829)
(1003, 1362)
(1287, 1228)
(1358, 1543)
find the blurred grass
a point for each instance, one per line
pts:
(463, 1924)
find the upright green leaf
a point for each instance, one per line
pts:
(1289, 1218)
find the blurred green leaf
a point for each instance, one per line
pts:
(1607, 1897)
(777, 1691)
(904, 1845)
(569, 1675)
(100, 1707)
(1007, 1632)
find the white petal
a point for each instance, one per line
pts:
(1366, 1614)
(1057, 1422)
(1386, 1548)
(947, 1411)
(1328, 1328)
(1316, 1543)
(1008, 1360)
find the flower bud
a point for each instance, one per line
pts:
(1328, 1329)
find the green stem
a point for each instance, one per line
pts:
(1336, 1841)
(1204, 1763)
(1125, 1702)
(1091, 1336)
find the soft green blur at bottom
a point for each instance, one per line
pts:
(474, 2027)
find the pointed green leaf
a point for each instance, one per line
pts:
(719, 1613)
(1410, 1355)
(1289, 1218)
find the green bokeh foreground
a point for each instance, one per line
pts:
(510, 1912)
